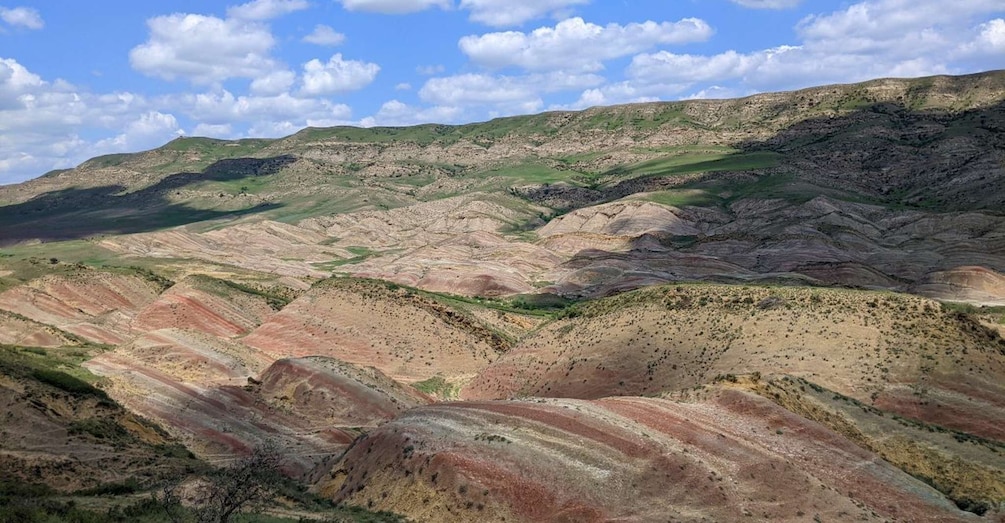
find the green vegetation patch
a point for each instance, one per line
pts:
(698, 162)
(276, 301)
(437, 386)
(360, 254)
(216, 147)
(531, 173)
(681, 198)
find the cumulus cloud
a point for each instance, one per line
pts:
(768, 4)
(41, 123)
(269, 116)
(276, 82)
(471, 89)
(179, 44)
(265, 9)
(223, 131)
(22, 17)
(496, 13)
(574, 44)
(621, 93)
(499, 13)
(148, 130)
(395, 113)
(717, 92)
(686, 68)
(324, 35)
(394, 6)
(15, 80)
(46, 125)
(869, 39)
(337, 75)
(500, 94)
(991, 38)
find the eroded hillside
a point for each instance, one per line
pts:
(702, 310)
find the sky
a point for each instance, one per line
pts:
(82, 79)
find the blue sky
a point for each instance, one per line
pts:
(80, 79)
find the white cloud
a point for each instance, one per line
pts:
(204, 49)
(717, 92)
(324, 35)
(149, 130)
(265, 9)
(15, 80)
(685, 68)
(502, 94)
(53, 124)
(621, 93)
(274, 83)
(991, 38)
(224, 131)
(337, 75)
(469, 89)
(574, 44)
(223, 107)
(496, 13)
(394, 6)
(395, 113)
(403, 86)
(41, 122)
(768, 4)
(870, 39)
(269, 116)
(22, 17)
(499, 13)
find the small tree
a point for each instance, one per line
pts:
(248, 484)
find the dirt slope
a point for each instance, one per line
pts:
(823, 240)
(18, 330)
(264, 246)
(408, 336)
(312, 407)
(902, 352)
(207, 305)
(727, 458)
(95, 305)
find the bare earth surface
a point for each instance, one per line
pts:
(784, 307)
(730, 457)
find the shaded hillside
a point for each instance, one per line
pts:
(61, 431)
(820, 241)
(635, 313)
(311, 408)
(900, 353)
(80, 212)
(870, 139)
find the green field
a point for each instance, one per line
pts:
(697, 162)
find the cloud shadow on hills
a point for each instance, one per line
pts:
(74, 213)
(920, 162)
(890, 154)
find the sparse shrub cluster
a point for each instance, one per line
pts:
(491, 438)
